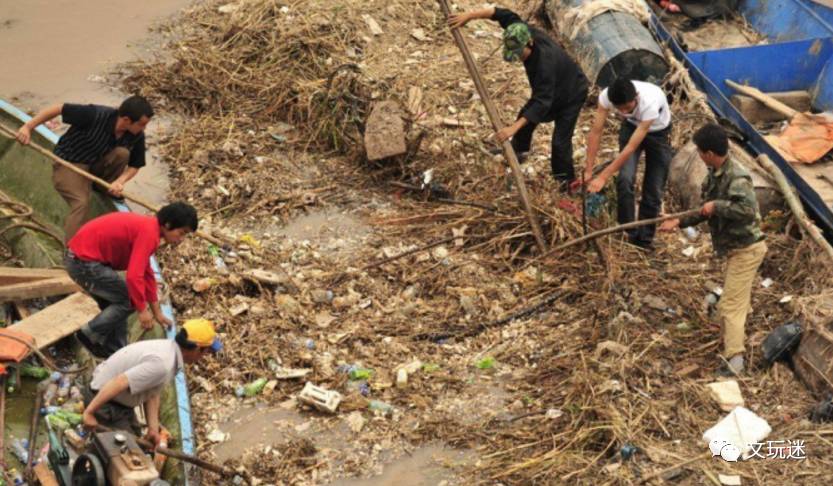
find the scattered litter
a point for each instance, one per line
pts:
(486, 363)
(355, 421)
(726, 480)
(217, 436)
(689, 251)
(786, 299)
(373, 25)
(767, 283)
(554, 413)
(727, 394)
(740, 428)
(320, 398)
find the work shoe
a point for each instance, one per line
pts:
(733, 367)
(94, 349)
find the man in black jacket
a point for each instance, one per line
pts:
(559, 87)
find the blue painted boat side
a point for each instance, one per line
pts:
(788, 20)
(755, 143)
(181, 386)
(797, 65)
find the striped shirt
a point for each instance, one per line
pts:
(91, 135)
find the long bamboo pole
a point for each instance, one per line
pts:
(101, 182)
(795, 205)
(508, 151)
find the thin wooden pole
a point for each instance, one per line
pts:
(621, 227)
(508, 151)
(101, 182)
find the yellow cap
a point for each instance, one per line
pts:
(201, 332)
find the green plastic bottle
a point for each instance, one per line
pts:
(57, 422)
(254, 387)
(361, 374)
(11, 381)
(36, 372)
(71, 418)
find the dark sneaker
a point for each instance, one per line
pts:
(96, 350)
(643, 245)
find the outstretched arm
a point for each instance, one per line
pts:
(461, 19)
(24, 134)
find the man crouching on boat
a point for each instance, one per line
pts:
(116, 242)
(136, 374)
(105, 141)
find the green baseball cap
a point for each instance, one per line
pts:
(515, 38)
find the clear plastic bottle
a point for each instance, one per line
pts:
(64, 384)
(20, 449)
(50, 394)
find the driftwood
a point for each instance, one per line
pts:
(508, 151)
(795, 205)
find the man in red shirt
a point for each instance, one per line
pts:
(116, 242)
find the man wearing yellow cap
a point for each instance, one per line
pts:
(136, 374)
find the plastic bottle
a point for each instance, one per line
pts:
(219, 263)
(49, 410)
(57, 422)
(20, 449)
(64, 385)
(254, 387)
(377, 405)
(159, 459)
(56, 376)
(31, 371)
(71, 418)
(50, 394)
(75, 393)
(11, 381)
(360, 373)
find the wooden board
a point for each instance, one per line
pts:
(45, 476)
(59, 319)
(47, 287)
(756, 112)
(813, 359)
(13, 275)
(826, 3)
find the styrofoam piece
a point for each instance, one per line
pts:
(741, 428)
(320, 398)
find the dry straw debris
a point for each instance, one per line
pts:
(272, 97)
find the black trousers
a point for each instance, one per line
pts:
(112, 414)
(658, 155)
(561, 155)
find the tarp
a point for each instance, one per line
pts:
(806, 139)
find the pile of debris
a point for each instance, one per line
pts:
(432, 319)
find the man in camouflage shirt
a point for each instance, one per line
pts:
(731, 209)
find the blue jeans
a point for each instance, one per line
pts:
(658, 155)
(108, 328)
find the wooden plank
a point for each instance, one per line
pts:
(59, 319)
(826, 3)
(31, 273)
(44, 475)
(757, 112)
(12, 275)
(38, 288)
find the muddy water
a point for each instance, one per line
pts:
(255, 428)
(59, 50)
(426, 466)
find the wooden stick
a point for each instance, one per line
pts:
(508, 151)
(33, 433)
(101, 182)
(621, 227)
(651, 476)
(764, 98)
(795, 205)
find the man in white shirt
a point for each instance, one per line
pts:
(646, 126)
(136, 374)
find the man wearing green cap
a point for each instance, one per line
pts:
(136, 374)
(559, 87)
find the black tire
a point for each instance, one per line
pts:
(88, 471)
